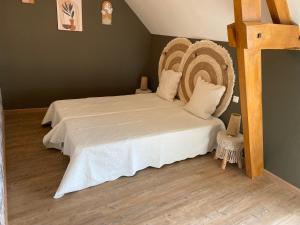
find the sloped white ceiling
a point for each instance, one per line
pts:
(201, 19)
(294, 6)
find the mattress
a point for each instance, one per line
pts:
(77, 108)
(104, 147)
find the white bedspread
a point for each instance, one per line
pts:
(76, 108)
(105, 147)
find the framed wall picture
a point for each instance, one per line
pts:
(107, 10)
(69, 15)
(28, 1)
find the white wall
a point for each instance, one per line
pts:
(205, 19)
(294, 6)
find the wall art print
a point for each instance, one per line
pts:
(28, 1)
(107, 10)
(69, 15)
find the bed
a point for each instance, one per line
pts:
(110, 137)
(105, 147)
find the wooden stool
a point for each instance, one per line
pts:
(230, 149)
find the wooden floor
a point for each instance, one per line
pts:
(192, 192)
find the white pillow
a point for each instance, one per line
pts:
(205, 99)
(168, 84)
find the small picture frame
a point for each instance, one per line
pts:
(69, 15)
(106, 12)
(28, 1)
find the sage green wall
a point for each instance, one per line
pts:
(281, 94)
(39, 64)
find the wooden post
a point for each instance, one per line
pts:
(249, 61)
(249, 35)
(249, 66)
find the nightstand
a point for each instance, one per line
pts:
(140, 91)
(230, 149)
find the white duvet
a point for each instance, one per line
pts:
(106, 145)
(77, 108)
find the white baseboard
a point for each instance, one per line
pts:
(291, 186)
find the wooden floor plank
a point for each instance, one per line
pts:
(195, 191)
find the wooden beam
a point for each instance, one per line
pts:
(249, 61)
(247, 10)
(269, 36)
(280, 12)
(249, 66)
(250, 36)
(231, 35)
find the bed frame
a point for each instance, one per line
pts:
(250, 36)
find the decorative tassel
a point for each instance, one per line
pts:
(232, 156)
